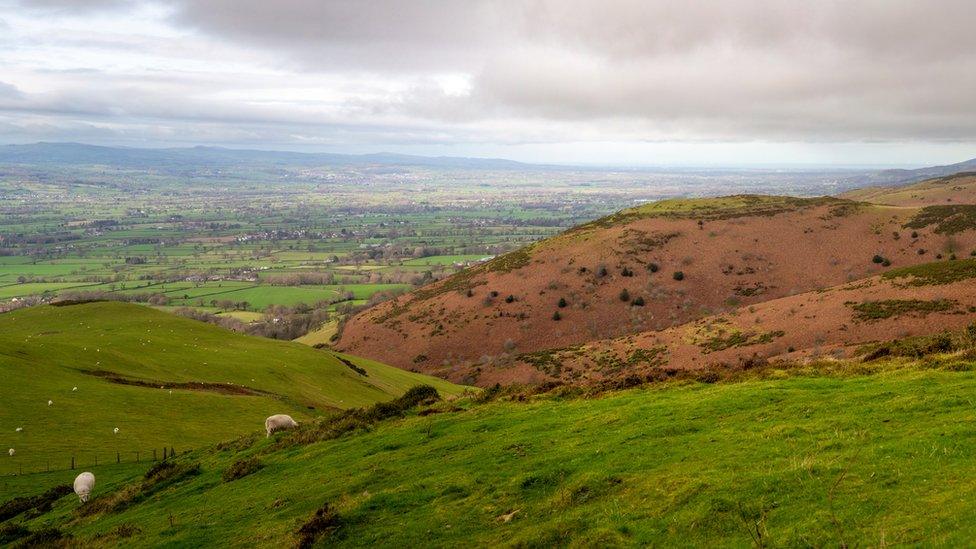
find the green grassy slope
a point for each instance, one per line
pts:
(45, 351)
(876, 459)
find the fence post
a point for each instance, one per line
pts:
(164, 453)
(154, 454)
(72, 463)
(96, 461)
(137, 457)
(118, 457)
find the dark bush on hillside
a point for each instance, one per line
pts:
(48, 537)
(886, 263)
(914, 234)
(877, 259)
(359, 418)
(562, 302)
(678, 275)
(161, 475)
(626, 272)
(489, 394)
(653, 267)
(510, 299)
(914, 347)
(10, 533)
(638, 302)
(38, 504)
(241, 468)
(557, 316)
(624, 295)
(325, 522)
(921, 251)
(469, 293)
(601, 271)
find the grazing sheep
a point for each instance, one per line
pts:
(116, 430)
(50, 403)
(19, 429)
(11, 452)
(74, 388)
(279, 422)
(84, 484)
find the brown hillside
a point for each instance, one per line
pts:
(953, 189)
(732, 251)
(836, 322)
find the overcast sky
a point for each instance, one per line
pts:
(642, 82)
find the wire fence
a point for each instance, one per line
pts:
(15, 465)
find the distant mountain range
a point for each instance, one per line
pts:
(74, 154)
(79, 154)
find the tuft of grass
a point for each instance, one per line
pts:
(878, 310)
(935, 274)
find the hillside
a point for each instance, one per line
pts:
(950, 190)
(678, 260)
(162, 380)
(844, 321)
(818, 459)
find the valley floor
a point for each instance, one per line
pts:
(879, 458)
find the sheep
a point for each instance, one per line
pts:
(115, 431)
(11, 452)
(279, 422)
(84, 484)
(74, 388)
(19, 429)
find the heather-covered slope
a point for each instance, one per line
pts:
(645, 269)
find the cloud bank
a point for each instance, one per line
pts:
(486, 74)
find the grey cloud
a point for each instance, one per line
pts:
(874, 69)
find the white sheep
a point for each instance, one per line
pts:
(74, 388)
(11, 452)
(115, 431)
(19, 429)
(279, 422)
(50, 403)
(84, 484)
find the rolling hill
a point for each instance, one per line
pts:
(162, 380)
(819, 457)
(847, 321)
(645, 269)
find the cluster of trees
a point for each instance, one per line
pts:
(278, 322)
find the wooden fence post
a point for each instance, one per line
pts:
(118, 457)
(72, 463)
(154, 454)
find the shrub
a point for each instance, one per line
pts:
(921, 251)
(624, 295)
(556, 316)
(678, 275)
(325, 522)
(877, 259)
(39, 504)
(638, 301)
(914, 234)
(601, 272)
(886, 263)
(510, 299)
(241, 468)
(626, 272)
(562, 303)
(654, 267)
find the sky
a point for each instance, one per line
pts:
(606, 82)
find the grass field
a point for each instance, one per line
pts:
(878, 459)
(45, 352)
